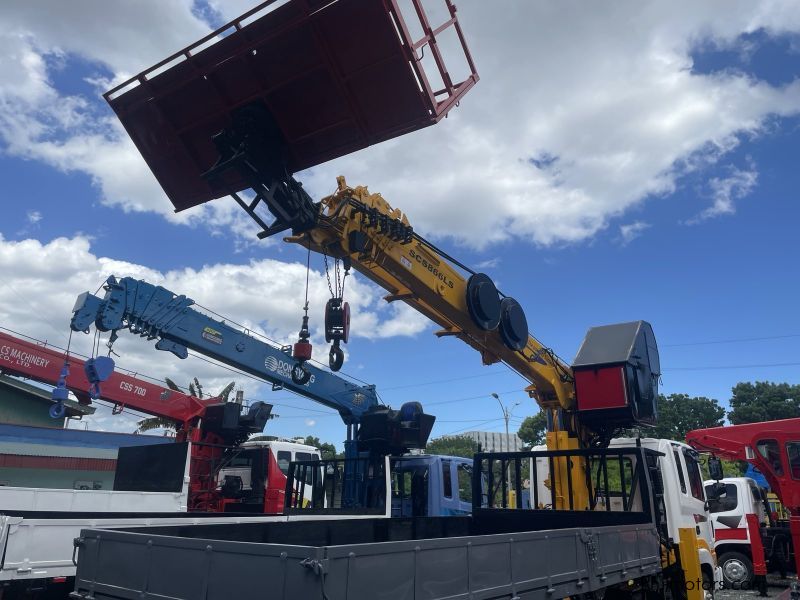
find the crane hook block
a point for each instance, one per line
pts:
(300, 373)
(513, 324)
(302, 350)
(337, 320)
(99, 369)
(483, 302)
(57, 410)
(335, 357)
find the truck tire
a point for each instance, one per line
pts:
(737, 570)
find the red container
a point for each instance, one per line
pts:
(337, 76)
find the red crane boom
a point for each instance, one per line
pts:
(43, 363)
(200, 421)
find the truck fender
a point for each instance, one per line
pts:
(708, 563)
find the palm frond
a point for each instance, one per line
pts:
(155, 423)
(226, 391)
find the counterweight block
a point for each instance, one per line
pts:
(616, 375)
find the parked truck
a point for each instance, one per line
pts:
(206, 475)
(729, 509)
(618, 543)
(350, 74)
(223, 476)
(757, 542)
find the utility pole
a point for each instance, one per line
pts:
(506, 414)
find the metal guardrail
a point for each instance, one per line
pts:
(618, 480)
(336, 485)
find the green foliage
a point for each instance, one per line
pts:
(457, 445)
(678, 414)
(226, 391)
(731, 468)
(326, 449)
(151, 423)
(532, 429)
(763, 401)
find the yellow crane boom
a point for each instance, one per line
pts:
(378, 240)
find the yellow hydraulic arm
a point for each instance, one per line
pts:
(362, 228)
(380, 243)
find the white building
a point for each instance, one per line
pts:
(494, 441)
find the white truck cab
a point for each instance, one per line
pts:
(741, 497)
(284, 451)
(684, 498)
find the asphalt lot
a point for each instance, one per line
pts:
(777, 587)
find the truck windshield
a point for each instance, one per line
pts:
(793, 448)
(465, 482)
(410, 489)
(728, 501)
(284, 458)
(680, 470)
(693, 470)
(768, 449)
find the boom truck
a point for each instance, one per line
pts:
(154, 312)
(286, 87)
(209, 474)
(208, 424)
(750, 542)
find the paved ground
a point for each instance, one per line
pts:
(777, 588)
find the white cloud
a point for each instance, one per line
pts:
(631, 231)
(726, 190)
(310, 422)
(604, 99)
(488, 264)
(33, 216)
(42, 280)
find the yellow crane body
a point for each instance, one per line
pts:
(362, 227)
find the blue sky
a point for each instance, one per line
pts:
(613, 176)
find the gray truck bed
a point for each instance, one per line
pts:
(380, 559)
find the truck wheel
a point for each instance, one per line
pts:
(737, 570)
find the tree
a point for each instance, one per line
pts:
(679, 414)
(532, 429)
(326, 449)
(763, 401)
(195, 389)
(455, 445)
(731, 468)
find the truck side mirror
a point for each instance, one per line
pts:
(716, 492)
(715, 468)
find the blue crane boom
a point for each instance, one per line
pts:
(154, 312)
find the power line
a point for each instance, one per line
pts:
(721, 367)
(733, 340)
(438, 381)
(471, 426)
(458, 421)
(471, 398)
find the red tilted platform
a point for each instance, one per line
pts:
(336, 76)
